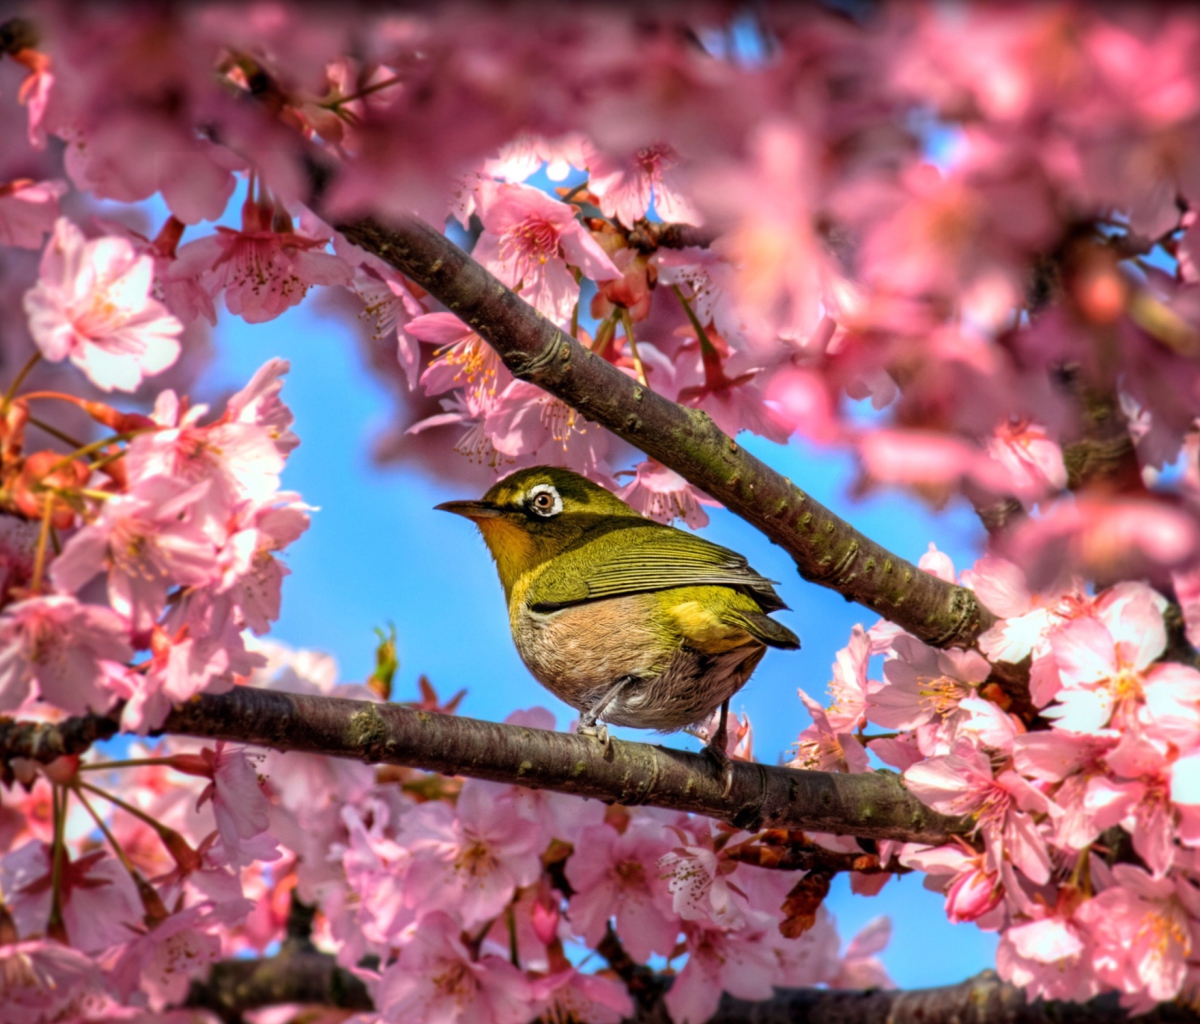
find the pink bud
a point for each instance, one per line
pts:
(971, 895)
(545, 922)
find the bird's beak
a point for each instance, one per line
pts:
(471, 509)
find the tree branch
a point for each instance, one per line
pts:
(236, 986)
(872, 805)
(827, 549)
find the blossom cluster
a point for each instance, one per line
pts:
(959, 244)
(829, 245)
(125, 880)
(1082, 786)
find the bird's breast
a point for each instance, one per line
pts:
(578, 650)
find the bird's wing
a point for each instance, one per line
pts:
(646, 558)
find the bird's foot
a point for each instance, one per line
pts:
(723, 764)
(597, 729)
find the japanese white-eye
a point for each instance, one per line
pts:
(630, 621)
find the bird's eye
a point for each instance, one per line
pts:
(544, 500)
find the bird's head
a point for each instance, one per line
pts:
(535, 514)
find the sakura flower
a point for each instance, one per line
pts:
(962, 782)
(923, 685)
(463, 360)
(626, 188)
(163, 960)
(261, 271)
(92, 303)
(1033, 460)
(859, 967)
(1104, 665)
(147, 543)
(528, 242)
(259, 404)
(526, 421)
(470, 861)
(700, 889)
(663, 495)
(41, 980)
(389, 302)
(1050, 957)
(99, 902)
(972, 889)
(571, 995)
(61, 645)
(617, 872)
(436, 978)
(238, 802)
(28, 211)
(826, 745)
(741, 962)
(1145, 930)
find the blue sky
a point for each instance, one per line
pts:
(378, 552)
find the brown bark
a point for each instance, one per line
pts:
(305, 976)
(873, 805)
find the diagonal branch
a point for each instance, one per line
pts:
(827, 549)
(873, 805)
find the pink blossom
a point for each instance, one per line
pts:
(664, 496)
(803, 401)
(28, 210)
(827, 745)
(389, 302)
(700, 888)
(741, 962)
(261, 271)
(61, 645)
(860, 969)
(930, 462)
(1033, 460)
(463, 360)
(147, 543)
(962, 782)
(1050, 957)
(1103, 663)
(162, 961)
(972, 889)
(259, 404)
(472, 859)
(1144, 930)
(100, 905)
(93, 304)
(41, 980)
(571, 995)
(530, 239)
(436, 978)
(527, 422)
(238, 802)
(626, 188)
(1110, 538)
(923, 685)
(615, 872)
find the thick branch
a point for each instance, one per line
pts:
(827, 550)
(236, 986)
(873, 805)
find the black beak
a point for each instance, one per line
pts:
(471, 509)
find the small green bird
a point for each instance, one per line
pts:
(627, 620)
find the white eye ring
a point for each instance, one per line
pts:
(536, 500)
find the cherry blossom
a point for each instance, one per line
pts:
(93, 305)
(528, 242)
(435, 977)
(60, 645)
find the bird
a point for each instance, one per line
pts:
(630, 621)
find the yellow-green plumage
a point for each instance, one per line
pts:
(605, 603)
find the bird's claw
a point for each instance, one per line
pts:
(600, 731)
(723, 763)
